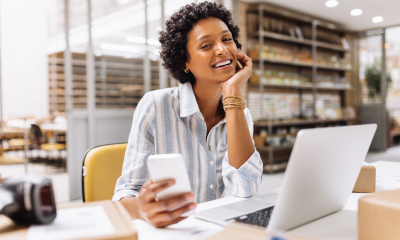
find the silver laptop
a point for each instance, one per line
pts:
(322, 170)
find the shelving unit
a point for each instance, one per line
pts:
(302, 57)
(119, 82)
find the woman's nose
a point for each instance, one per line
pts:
(220, 49)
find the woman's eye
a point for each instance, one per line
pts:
(205, 46)
(227, 39)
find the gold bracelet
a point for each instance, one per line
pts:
(233, 102)
(231, 96)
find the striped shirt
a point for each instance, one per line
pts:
(169, 121)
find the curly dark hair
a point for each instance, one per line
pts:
(174, 39)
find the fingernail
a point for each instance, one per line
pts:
(171, 182)
(192, 207)
(189, 197)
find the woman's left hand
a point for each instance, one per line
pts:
(233, 85)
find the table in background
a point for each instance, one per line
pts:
(57, 131)
(11, 133)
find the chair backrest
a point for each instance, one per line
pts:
(37, 134)
(101, 168)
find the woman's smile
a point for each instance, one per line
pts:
(223, 64)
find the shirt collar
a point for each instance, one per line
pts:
(188, 103)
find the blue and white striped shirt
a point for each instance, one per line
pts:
(170, 121)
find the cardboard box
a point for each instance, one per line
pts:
(236, 231)
(379, 216)
(259, 141)
(119, 217)
(366, 180)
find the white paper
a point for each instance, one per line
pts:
(190, 228)
(387, 181)
(74, 223)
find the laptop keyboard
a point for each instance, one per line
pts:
(258, 218)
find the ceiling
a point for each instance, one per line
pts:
(388, 9)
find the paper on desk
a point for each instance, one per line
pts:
(190, 228)
(74, 223)
(388, 181)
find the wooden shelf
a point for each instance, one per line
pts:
(275, 148)
(288, 86)
(335, 88)
(331, 46)
(301, 64)
(298, 64)
(307, 42)
(281, 37)
(333, 68)
(276, 167)
(257, 86)
(302, 56)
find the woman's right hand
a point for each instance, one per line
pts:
(158, 212)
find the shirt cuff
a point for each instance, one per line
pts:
(124, 193)
(252, 169)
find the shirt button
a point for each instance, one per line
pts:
(210, 144)
(211, 186)
(212, 163)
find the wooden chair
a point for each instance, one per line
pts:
(48, 147)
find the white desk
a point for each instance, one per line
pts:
(341, 225)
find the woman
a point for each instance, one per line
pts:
(200, 49)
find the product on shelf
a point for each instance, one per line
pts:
(280, 106)
(281, 54)
(326, 60)
(275, 106)
(295, 30)
(281, 78)
(286, 78)
(332, 81)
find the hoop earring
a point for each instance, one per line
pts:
(186, 70)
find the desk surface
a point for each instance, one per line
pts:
(341, 225)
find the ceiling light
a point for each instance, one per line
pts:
(116, 47)
(331, 3)
(152, 41)
(98, 52)
(377, 19)
(156, 52)
(134, 39)
(142, 40)
(122, 2)
(356, 12)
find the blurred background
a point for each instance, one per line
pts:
(73, 71)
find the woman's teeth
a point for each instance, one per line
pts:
(223, 63)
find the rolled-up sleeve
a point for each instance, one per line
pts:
(140, 147)
(243, 182)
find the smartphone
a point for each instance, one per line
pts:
(170, 166)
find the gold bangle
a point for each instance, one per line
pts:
(231, 96)
(233, 102)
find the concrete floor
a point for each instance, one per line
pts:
(61, 179)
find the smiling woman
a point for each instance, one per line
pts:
(201, 119)
(176, 35)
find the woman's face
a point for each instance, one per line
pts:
(212, 51)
